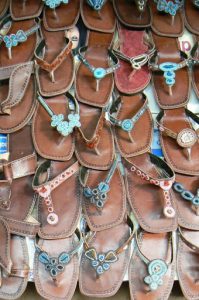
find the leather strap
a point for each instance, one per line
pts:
(187, 242)
(20, 273)
(23, 228)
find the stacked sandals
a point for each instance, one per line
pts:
(77, 175)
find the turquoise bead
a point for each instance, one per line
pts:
(99, 73)
(127, 125)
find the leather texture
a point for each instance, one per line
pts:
(5, 261)
(4, 4)
(191, 17)
(195, 72)
(24, 10)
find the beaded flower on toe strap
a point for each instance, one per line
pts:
(55, 3)
(169, 7)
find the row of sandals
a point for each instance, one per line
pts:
(93, 150)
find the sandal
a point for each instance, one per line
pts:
(25, 9)
(187, 263)
(17, 94)
(19, 42)
(5, 261)
(94, 142)
(52, 65)
(170, 68)
(152, 267)
(15, 183)
(101, 191)
(105, 261)
(4, 5)
(98, 15)
(58, 214)
(179, 140)
(167, 17)
(134, 13)
(56, 267)
(195, 64)
(149, 181)
(191, 15)
(60, 14)
(51, 134)
(132, 114)
(135, 50)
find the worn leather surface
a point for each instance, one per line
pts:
(146, 199)
(55, 43)
(153, 246)
(95, 38)
(127, 79)
(104, 21)
(175, 155)
(191, 16)
(129, 15)
(65, 17)
(4, 4)
(89, 117)
(23, 52)
(130, 105)
(22, 10)
(195, 72)
(169, 51)
(66, 203)
(110, 281)
(67, 280)
(187, 262)
(187, 217)
(48, 142)
(162, 22)
(13, 286)
(5, 261)
(114, 208)
(17, 94)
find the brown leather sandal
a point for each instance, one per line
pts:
(191, 10)
(149, 180)
(195, 70)
(17, 94)
(25, 9)
(4, 4)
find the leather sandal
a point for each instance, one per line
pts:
(131, 116)
(52, 135)
(187, 201)
(5, 260)
(179, 140)
(51, 66)
(98, 15)
(134, 51)
(16, 179)
(101, 191)
(167, 17)
(195, 65)
(170, 68)
(134, 13)
(25, 9)
(187, 262)
(18, 42)
(152, 266)
(56, 267)
(4, 5)
(105, 261)
(61, 14)
(149, 181)
(191, 10)
(57, 187)
(17, 94)
(14, 283)
(94, 142)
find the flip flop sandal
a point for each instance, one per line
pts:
(25, 9)
(57, 186)
(94, 78)
(101, 191)
(187, 201)
(13, 285)
(135, 50)
(94, 142)
(187, 263)
(15, 185)
(191, 15)
(195, 69)
(56, 267)
(5, 260)
(17, 93)
(152, 267)
(149, 180)
(53, 63)
(19, 42)
(98, 15)
(134, 13)
(170, 68)
(60, 14)
(132, 115)
(105, 261)
(167, 17)
(179, 140)
(51, 133)
(4, 4)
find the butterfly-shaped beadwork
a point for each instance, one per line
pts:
(157, 268)
(98, 195)
(55, 3)
(96, 4)
(13, 40)
(168, 7)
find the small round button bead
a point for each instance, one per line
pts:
(99, 73)
(52, 219)
(127, 125)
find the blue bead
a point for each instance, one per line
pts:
(64, 258)
(127, 125)
(178, 187)
(101, 257)
(168, 66)
(95, 263)
(195, 201)
(187, 195)
(99, 73)
(99, 270)
(100, 203)
(106, 266)
(44, 258)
